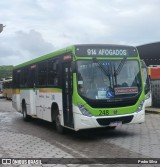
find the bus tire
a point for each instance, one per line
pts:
(56, 118)
(59, 127)
(26, 117)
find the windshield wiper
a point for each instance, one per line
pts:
(102, 67)
(120, 66)
(106, 71)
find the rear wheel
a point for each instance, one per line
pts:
(26, 117)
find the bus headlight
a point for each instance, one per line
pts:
(148, 95)
(140, 106)
(84, 111)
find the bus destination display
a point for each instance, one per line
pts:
(108, 50)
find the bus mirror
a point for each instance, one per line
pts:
(73, 66)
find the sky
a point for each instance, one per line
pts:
(38, 27)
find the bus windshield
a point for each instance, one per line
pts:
(100, 80)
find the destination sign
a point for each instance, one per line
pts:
(125, 90)
(105, 50)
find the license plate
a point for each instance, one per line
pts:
(118, 123)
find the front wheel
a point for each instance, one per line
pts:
(59, 127)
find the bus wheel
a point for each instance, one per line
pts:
(59, 127)
(24, 111)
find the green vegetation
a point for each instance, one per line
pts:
(6, 71)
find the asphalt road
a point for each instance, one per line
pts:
(39, 139)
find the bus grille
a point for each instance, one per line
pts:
(107, 121)
(105, 104)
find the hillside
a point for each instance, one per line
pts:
(6, 71)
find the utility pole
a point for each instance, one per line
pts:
(1, 27)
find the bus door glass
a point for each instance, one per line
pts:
(67, 94)
(32, 85)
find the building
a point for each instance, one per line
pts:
(150, 53)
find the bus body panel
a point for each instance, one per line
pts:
(84, 122)
(104, 111)
(39, 102)
(29, 97)
(44, 100)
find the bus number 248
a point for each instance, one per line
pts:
(103, 112)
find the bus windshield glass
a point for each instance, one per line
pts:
(103, 79)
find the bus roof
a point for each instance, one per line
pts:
(44, 57)
(79, 50)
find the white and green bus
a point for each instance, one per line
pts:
(82, 87)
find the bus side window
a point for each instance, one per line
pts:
(16, 76)
(42, 73)
(53, 77)
(32, 76)
(23, 78)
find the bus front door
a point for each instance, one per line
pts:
(32, 93)
(67, 95)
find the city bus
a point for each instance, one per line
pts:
(147, 83)
(82, 87)
(7, 88)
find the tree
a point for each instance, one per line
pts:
(6, 71)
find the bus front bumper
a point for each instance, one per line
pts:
(85, 122)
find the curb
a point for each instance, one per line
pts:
(152, 110)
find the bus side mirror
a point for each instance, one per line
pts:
(73, 66)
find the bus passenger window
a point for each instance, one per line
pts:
(53, 78)
(42, 74)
